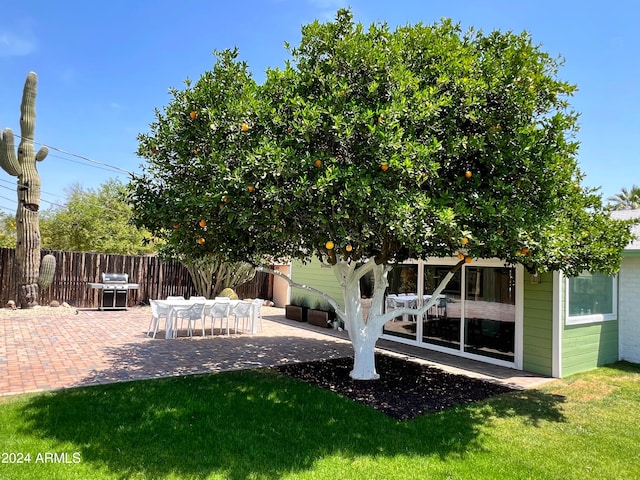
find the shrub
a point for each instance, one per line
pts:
(228, 292)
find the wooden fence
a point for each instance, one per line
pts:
(75, 270)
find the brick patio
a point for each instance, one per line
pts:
(48, 349)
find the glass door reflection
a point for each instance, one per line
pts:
(441, 324)
(490, 312)
(402, 292)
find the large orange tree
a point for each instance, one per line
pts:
(372, 146)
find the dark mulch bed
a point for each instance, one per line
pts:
(405, 389)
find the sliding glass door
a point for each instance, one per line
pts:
(441, 324)
(474, 314)
(489, 312)
(402, 292)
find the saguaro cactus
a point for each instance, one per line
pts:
(23, 166)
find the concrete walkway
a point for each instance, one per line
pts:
(51, 348)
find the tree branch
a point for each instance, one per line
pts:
(315, 291)
(385, 317)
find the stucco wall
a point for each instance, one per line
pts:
(281, 287)
(629, 309)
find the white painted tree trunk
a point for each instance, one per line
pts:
(365, 332)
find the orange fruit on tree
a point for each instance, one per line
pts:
(468, 259)
(384, 167)
(460, 256)
(200, 241)
(193, 114)
(176, 225)
(244, 127)
(464, 240)
(348, 248)
(524, 250)
(251, 188)
(468, 174)
(318, 163)
(226, 199)
(202, 223)
(329, 245)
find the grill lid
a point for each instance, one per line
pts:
(115, 278)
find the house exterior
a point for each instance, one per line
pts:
(629, 294)
(547, 324)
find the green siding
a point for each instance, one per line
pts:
(585, 347)
(315, 275)
(537, 351)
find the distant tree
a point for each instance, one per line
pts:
(626, 199)
(7, 230)
(94, 221)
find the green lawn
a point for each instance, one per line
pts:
(258, 424)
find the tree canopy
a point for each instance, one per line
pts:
(372, 146)
(7, 230)
(372, 143)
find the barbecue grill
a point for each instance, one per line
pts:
(115, 291)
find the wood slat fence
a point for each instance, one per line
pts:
(156, 279)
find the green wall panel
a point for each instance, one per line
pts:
(538, 325)
(585, 347)
(315, 275)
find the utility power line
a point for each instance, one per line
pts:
(82, 157)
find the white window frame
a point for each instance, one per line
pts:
(519, 317)
(594, 317)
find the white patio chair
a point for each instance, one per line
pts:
(190, 313)
(158, 311)
(220, 309)
(198, 299)
(175, 297)
(439, 308)
(241, 311)
(391, 303)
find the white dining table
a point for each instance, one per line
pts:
(175, 305)
(410, 301)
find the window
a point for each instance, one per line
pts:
(591, 297)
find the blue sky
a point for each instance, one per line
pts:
(104, 67)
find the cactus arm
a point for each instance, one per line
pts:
(42, 153)
(8, 159)
(47, 270)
